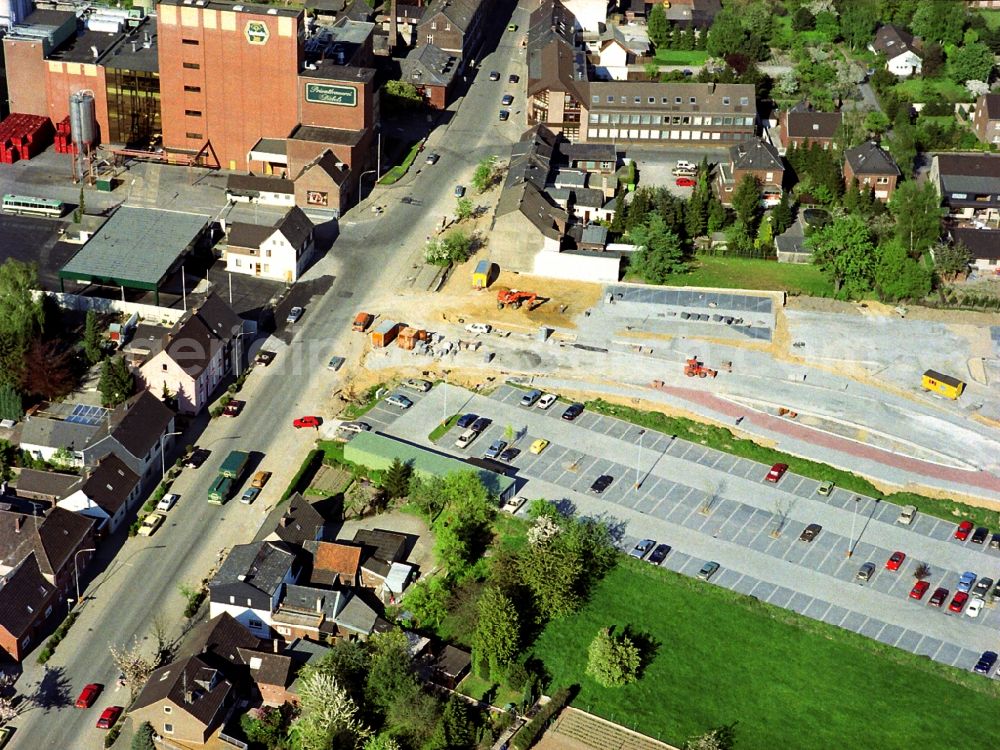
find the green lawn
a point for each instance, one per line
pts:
(788, 681)
(916, 90)
(681, 57)
(992, 17)
(439, 432)
(397, 172)
(750, 273)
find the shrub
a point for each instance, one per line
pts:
(531, 731)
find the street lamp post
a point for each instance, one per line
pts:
(76, 569)
(854, 515)
(163, 460)
(638, 456)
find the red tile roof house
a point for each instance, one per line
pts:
(758, 158)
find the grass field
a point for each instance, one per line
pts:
(992, 17)
(788, 682)
(750, 273)
(919, 90)
(681, 57)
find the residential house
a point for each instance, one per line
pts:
(456, 26)
(324, 183)
(698, 14)
(382, 563)
(266, 190)
(188, 700)
(80, 435)
(969, 186)
(193, 359)
(299, 522)
(449, 666)
(589, 16)
(986, 119)
(308, 612)
(556, 87)
(54, 540)
(271, 672)
(334, 564)
(46, 487)
(39, 562)
(27, 600)
(801, 126)
(251, 582)
(300, 653)
(902, 53)
(756, 158)
(433, 72)
(108, 495)
(615, 50)
(873, 168)
(359, 619)
(983, 245)
(281, 252)
(136, 431)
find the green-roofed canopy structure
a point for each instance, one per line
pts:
(378, 452)
(138, 248)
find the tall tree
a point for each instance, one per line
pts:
(971, 62)
(951, 260)
(498, 632)
(462, 528)
(390, 671)
(716, 215)
(782, 215)
(660, 253)
(657, 26)
(902, 144)
(844, 251)
(456, 730)
(746, 201)
(48, 370)
(328, 716)
(92, 338)
(899, 276)
(21, 317)
(917, 210)
(857, 22)
(613, 660)
(397, 479)
(939, 21)
(116, 383)
(11, 405)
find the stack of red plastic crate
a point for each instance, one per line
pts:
(64, 138)
(23, 136)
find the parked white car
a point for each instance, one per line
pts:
(479, 328)
(547, 400)
(168, 501)
(974, 607)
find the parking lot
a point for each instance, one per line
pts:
(710, 505)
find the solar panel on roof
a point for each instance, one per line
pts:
(89, 415)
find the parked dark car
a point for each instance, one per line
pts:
(509, 455)
(659, 554)
(810, 532)
(938, 597)
(866, 571)
(481, 424)
(572, 412)
(980, 534)
(197, 458)
(601, 483)
(986, 662)
(466, 420)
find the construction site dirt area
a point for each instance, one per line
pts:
(558, 302)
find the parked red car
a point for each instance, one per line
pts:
(958, 602)
(685, 182)
(777, 472)
(307, 422)
(234, 407)
(109, 717)
(88, 695)
(895, 560)
(919, 589)
(963, 531)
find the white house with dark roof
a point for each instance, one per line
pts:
(281, 252)
(251, 582)
(983, 246)
(266, 190)
(109, 494)
(137, 431)
(969, 186)
(194, 356)
(901, 52)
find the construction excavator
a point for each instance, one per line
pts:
(515, 298)
(694, 367)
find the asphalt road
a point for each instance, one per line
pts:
(370, 258)
(713, 506)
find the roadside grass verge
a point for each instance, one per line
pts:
(353, 411)
(441, 430)
(720, 657)
(397, 172)
(751, 273)
(723, 439)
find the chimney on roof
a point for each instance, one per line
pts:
(285, 522)
(18, 523)
(275, 644)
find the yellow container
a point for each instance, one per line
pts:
(943, 385)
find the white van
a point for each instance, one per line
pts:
(686, 166)
(466, 438)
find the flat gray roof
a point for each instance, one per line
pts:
(136, 247)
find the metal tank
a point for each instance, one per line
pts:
(82, 120)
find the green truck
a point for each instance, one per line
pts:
(234, 464)
(220, 490)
